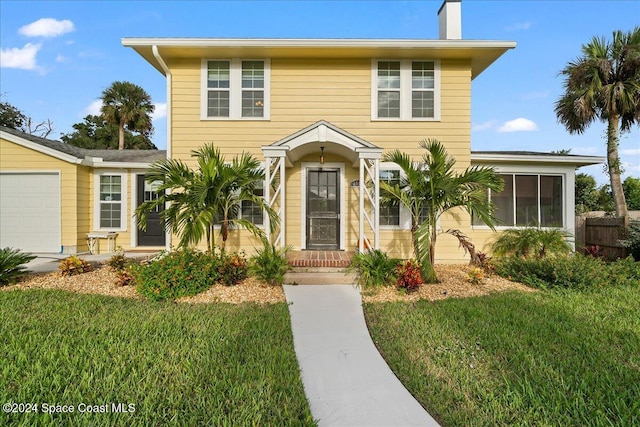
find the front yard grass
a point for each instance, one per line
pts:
(546, 358)
(178, 364)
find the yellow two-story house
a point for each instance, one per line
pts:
(319, 114)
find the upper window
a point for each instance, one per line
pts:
(405, 90)
(529, 200)
(110, 212)
(235, 89)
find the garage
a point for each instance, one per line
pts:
(30, 211)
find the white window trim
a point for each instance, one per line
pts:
(405, 214)
(97, 202)
(566, 203)
(235, 89)
(405, 90)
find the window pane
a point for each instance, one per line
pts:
(218, 74)
(422, 75)
(526, 200)
(252, 103)
(474, 219)
(422, 104)
(504, 202)
(110, 188)
(253, 74)
(551, 203)
(388, 75)
(110, 215)
(218, 103)
(388, 104)
(251, 211)
(390, 214)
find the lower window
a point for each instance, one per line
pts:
(110, 201)
(529, 200)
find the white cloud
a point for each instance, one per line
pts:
(586, 151)
(93, 108)
(518, 125)
(491, 124)
(536, 95)
(631, 152)
(24, 58)
(61, 58)
(160, 112)
(519, 26)
(47, 27)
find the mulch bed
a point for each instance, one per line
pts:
(454, 283)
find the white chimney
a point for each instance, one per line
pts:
(450, 20)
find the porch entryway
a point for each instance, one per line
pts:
(154, 235)
(323, 209)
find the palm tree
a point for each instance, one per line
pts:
(212, 194)
(127, 104)
(432, 187)
(604, 84)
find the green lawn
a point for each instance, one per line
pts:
(177, 364)
(548, 358)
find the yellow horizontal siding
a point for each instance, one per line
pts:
(304, 91)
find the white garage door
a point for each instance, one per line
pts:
(30, 211)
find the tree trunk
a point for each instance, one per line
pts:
(613, 162)
(121, 137)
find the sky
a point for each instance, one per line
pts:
(58, 56)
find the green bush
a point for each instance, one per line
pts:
(531, 242)
(12, 265)
(73, 265)
(632, 242)
(269, 264)
(575, 272)
(374, 268)
(119, 262)
(408, 275)
(175, 274)
(232, 268)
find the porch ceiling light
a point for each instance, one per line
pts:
(322, 155)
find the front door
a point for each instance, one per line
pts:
(323, 209)
(154, 235)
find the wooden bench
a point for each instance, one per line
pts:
(94, 238)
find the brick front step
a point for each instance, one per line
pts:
(332, 263)
(320, 277)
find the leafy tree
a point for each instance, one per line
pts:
(12, 117)
(95, 132)
(433, 187)
(603, 84)
(586, 193)
(605, 199)
(125, 104)
(212, 194)
(631, 187)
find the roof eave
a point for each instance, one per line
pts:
(577, 161)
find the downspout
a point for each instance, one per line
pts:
(167, 73)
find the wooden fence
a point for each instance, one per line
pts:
(603, 232)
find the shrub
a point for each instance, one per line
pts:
(632, 242)
(475, 276)
(119, 261)
(269, 264)
(232, 268)
(12, 265)
(178, 273)
(530, 242)
(73, 265)
(125, 278)
(374, 268)
(575, 272)
(408, 275)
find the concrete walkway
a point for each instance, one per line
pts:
(345, 379)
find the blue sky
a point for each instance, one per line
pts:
(58, 56)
